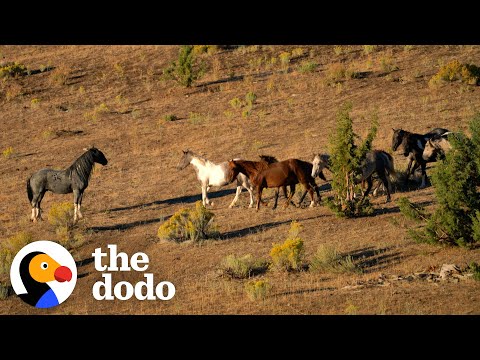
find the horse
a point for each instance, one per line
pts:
(413, 146)
(211, 174)
(376, 161)
(287, 172)
(436, 146)
(74, 179)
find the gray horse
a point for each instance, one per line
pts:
(73, 179)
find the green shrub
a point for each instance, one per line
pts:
(5, 290)
(257, 289)
(454, 70)
(170, 117)
(8, 152)
(346, 159)
(242, 267)
(189, 224)
(185, 70)
(236, 103)
(387, 64)
(338, 50)
(289, 255)
(250, 98)
(12, 69)
(10, 248)
(61, 216)
(367, 49)
(475, 269)
(297, 52)
(328, 259)
(307, 66)
(410, 210)
(456, 220)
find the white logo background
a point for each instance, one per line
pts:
(59, 254)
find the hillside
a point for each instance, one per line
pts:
(113, 97)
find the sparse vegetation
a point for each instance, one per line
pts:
(368, 49)
(328, 259)
(186, 70)
(456, 221)
(346, 158)
(475, 269)
(307, 66)
(289, 255)
(257, 289)
(242, 267)
(189, 224)
(297, 52)
(338, 50)
(453, 71)
(170, 117)
(8, 152)
(12, 69)
(60, 216)
(10, 248)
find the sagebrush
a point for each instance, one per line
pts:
(189, 224)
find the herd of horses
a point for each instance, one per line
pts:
(420, 149)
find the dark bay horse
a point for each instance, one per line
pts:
(376, 161)
(413, 146)
(73, 179)
(283, 173)
(251, 168)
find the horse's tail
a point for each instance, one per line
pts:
(29, 191)
(389, 165)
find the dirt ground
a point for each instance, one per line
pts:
(113, 97)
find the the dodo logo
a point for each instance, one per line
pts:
(43, 274)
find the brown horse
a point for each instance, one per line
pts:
(283, 173)
(251, 168)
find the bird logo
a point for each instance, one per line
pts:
(43, 274)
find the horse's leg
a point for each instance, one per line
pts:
(409, 168)
(35, 206)
(79, 205)
(369, 187)
(424, 175)
(39, 208)
(310, 191)
(205, 200)
(76, 195)
(237, 194)
(386, 184)
(259, 196)
(289, 199)
(277, 192)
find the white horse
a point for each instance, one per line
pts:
(211, 174)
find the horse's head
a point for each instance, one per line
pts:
(430, 150)
(320, 162)
(268, 159)
(397, 138)
(98, 156)
(185, 160)
(233, 171)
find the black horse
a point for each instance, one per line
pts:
(413, 146)
(73, 179)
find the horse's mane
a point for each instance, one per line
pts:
(82, 167)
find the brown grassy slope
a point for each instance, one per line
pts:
(293, 116)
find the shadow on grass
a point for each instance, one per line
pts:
(370, 259)
(304, 291)
(178, 200)
(127, 226)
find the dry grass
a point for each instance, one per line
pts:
(127, 199)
